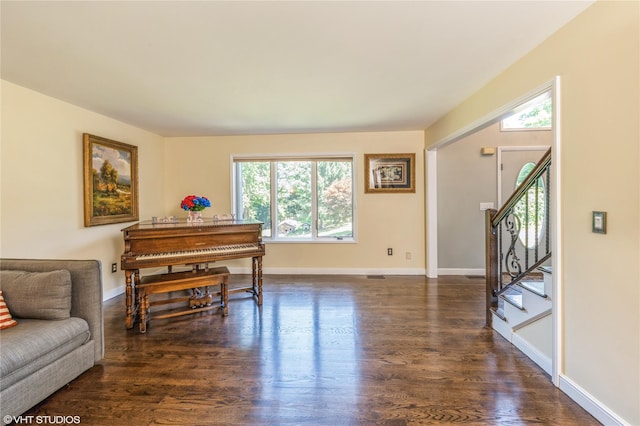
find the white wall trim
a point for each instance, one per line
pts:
(331, 271)
(431, 185)
(587, 401)
(115, 292)
(302, 271)
(501, 327)
(557, 351)
(461, 271)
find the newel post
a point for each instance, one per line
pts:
(492, 261)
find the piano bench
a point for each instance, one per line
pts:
(188, 280)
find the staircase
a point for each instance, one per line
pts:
(523, 317)
(519, 287)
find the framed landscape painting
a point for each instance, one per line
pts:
(389, 173)
(110, 181)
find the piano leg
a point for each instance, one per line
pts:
(128, 299)
(257, 278)
(144, 308)
(132, 302)
(135, 312)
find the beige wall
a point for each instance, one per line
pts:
(597, 56)
(202, 166)
(42, 207)
(41, 156)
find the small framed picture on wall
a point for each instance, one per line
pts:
(389, 173)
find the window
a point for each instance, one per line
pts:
(532, 115)
(297, 199)
(530, 210)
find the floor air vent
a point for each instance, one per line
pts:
(375, 277)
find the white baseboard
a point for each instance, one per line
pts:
(532, 352)
(461, 271)
(587, 401)
(113, 293)
(302, 271)
(332, 271)
(502, 327)
(348, 271)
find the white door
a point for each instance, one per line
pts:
(511, 160)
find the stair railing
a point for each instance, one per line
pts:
(518, 235)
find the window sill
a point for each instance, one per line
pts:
(349, 240)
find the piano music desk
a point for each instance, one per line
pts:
(187, 280)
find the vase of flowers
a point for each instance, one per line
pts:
(194, 205)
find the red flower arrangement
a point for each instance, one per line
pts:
(195, 203)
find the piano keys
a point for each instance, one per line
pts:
(153, 245)
(224, 250)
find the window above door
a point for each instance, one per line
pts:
(533, 115)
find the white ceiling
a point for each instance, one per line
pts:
(187, 68)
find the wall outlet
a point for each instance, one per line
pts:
(407, 255)
(389, 252)
(114, 267)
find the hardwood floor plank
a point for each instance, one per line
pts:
(322, 350)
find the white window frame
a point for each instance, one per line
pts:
(313, 158)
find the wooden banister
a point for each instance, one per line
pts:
(491, 274)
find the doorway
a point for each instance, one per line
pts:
(553, 87)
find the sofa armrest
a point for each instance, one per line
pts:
(86, 290)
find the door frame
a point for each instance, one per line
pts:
(431, 187)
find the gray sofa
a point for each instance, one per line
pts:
(59, 334)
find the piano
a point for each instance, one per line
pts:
(150, 244)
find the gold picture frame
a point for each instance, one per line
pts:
(110, 181)
(390, 173)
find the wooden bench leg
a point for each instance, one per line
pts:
(144, 309)
(224, 295)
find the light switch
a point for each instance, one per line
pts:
(486, 206)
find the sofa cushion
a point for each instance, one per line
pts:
(38, 295)
(6, 320)
(33, 344)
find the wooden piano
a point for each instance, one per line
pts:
(152, 245)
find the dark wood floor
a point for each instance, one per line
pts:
(322, 350)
